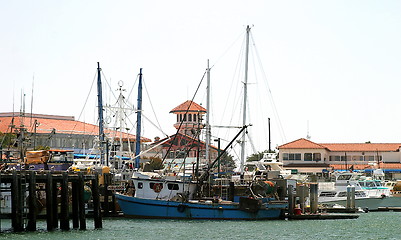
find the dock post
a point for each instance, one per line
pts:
(350, 204)
(313, 197)
(231, 192)
(55, 203)
(106, 209)
(49, 202)
(32, 202)
(16, 203)
(75, 205)
(81, 202)
(64, 208)
(290, 200)
(97, 216)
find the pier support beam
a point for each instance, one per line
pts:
(75, 205)
(49, 202)
(32, 202)
(81, 202)
(313, 196)
(16, 203)
(97, 216)
(64, 208)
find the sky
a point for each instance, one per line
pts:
(328, 69)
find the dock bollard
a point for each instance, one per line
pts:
(350, 197)
(313, 197)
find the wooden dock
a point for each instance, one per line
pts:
(58, 198)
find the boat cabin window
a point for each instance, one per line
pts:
(159, 185)
(344, 177)
(342, 194)
(140, 185)
(360, 194)
(327, 194)
(172, 186)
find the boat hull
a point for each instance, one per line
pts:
(371, 203)
(150, 208)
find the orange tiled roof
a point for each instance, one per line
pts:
(301, 143)
(366, 166)
(65, 125)
(342, 147)
(183, 107)
(363, 147)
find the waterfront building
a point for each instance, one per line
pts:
(58, 132)
(186, 143)
(305, 156)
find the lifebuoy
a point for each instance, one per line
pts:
(157, 187)
(181, 207)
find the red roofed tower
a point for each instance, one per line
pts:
(191, 116)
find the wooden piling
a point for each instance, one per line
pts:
(49, 202)
(16, 206)
(106, 209)
(64, 206)
(55, 203)
(75, 205)
(22, 182)
(81, 202)
(97, 216)
(32, 202)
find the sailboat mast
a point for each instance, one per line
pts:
(138, 122)
(248, 29)
(100, 113)
(208, 133)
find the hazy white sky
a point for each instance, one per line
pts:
(334, 64)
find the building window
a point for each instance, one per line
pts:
(292, 156)
(190, 117)
(369, 158)
(317, 157)
(194, 117)
(308, 157)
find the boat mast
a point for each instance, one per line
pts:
(138, 122)
(100, 113)
(208, 133)
(248, 29)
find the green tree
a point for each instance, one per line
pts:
(226, 162)
(156, 163)
(7, 139)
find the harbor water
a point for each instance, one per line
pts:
(372, 225)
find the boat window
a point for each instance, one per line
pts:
(342, 194)
(360, 194)
(327, 194)
(344, 177)
(140, 185)
(172, 186)
(152, 185)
